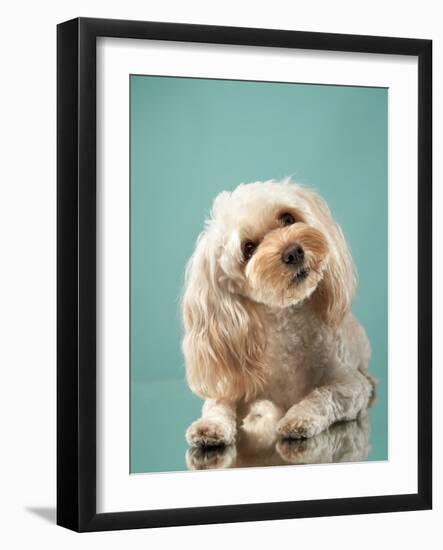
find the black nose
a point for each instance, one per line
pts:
(293, 255)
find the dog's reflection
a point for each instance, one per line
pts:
(342, 442)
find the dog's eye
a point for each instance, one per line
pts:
(249, 249)
(286, 219)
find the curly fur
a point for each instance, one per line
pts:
(258, 329)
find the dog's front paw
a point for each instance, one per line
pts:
(207, 432)
(293, 426)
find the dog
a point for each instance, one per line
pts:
(269, 337)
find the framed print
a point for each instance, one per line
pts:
(244, 274)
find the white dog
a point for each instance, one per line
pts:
(269, 336)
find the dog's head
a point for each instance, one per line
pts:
(266, 244)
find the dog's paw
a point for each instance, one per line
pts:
(262, 418)
(298, 427)
(207, 432)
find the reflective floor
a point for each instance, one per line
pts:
(162, 410)
(343, 442)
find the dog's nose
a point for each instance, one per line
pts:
(293, 255)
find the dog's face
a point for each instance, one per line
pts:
(279, 259)
(273, 242)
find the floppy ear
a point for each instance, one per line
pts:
(333, 296)
(224, 337)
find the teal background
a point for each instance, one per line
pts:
(191, 139)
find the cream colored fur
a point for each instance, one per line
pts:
(262, 345)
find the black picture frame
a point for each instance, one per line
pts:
(76, 273)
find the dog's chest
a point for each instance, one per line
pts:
(296, 355)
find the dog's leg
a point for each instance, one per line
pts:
(217, 425)
(342, 400)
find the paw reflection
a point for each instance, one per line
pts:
(342, 442)
(208, 458)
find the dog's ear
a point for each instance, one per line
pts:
(333, 296)
(224, 336)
